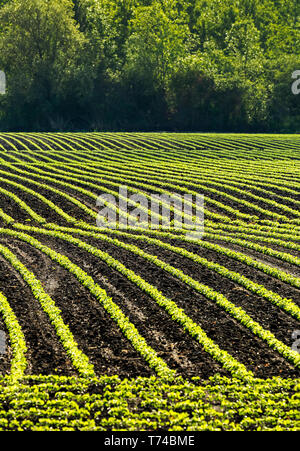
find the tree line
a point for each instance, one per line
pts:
(146, 65)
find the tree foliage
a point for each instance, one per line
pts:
(150, 64)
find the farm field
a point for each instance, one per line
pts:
(143, 329)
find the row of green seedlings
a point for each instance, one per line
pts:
(42, 198)
(220, 235)
(49, 203)
(239, 256)
(76, 155)
(198, 168)
(233, 254)
(57, 209)
(267, 170)
(178, 188)
(164, 173)
(72, 186)
(285, 171)
(162, 176)
(287, 230)
(61, 144)
(108, 150)
(157, 143)
(38, 174)
(234, 146)
(193, 182)
(28, 150)
(24, 146)
(130, 152)
(244, 171)
(240, 168)
(45, 154)
(79, 360)
(257, 183)
(269, 270)
(151, 143)
(178, 315)
(17, 340)
(156, 153)
(104, 189)
(272, 271)
(65, 403)
(236, 312)
(255, 233)
(42, 156)
(208, 213)
(79, 204)
(93, 214)
(287, 305)
(215, 149)
(97, 142)
(204, 189)
(137, 187)
(183, 183)
(283, 256)
(179, 164)
(175, 143)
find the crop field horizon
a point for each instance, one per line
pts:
(141, 328)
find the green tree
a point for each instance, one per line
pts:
(40, 49)
(159, 36)
(149, 64)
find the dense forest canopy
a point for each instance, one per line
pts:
(198, 65)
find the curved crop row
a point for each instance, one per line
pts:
(17, 340)
(203, 185)
(79, 360)
(114, 311)
(249, 261)
(231, 364)
(237, 313)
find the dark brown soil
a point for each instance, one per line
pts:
(45, 353)
(225, 331)
(96, 334)
(271, 283)
(178, 349)
(264, 312)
